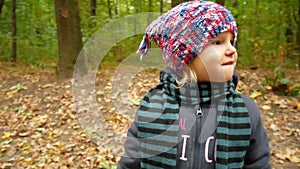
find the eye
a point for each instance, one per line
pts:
(217, 42)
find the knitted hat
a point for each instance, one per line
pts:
(186, 30)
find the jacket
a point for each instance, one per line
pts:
(197, 145)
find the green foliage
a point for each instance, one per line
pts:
(36, 32)
(295, 91)
(280, 83)
(262, 32)
(279, 78)
(121, 50)
(262, 42)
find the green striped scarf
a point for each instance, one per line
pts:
(158, 116)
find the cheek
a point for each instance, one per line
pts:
(210, 59)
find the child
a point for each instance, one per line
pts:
(194, 118)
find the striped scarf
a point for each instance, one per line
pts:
(158, 116)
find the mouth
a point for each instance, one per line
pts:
(228, 63)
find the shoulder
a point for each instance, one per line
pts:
(251, 105)
(154, 95)
(157, 98)
(157, 102)
(253, 111)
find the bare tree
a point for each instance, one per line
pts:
(69, 37)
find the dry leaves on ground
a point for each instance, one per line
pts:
(40, 128)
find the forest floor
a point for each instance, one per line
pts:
(40, 127)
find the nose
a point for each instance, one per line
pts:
(231, 50)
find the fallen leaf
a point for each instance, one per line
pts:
(5, 135)
(254, 94)
(268, 87)
(294, 159)
(274, 127)
(266, 107)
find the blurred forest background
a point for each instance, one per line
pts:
(41, 40)
(268, 29)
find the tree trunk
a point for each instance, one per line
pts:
(221, 2)
(93, 7)
(177, 2)
(256, 31)
(109, 9)
(298, 39)
(116, 7)
(14, 31)
(289, 37)
(69, 37)
(1, 5)
(161, 6)
(150, 6)
(288, 32)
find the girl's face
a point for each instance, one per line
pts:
(217, 61)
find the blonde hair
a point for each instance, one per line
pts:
(188, 76)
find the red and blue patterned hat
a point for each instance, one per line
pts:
(186, 30)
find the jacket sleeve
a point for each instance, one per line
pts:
(258, 154)
(130, 159)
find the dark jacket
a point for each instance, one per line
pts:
(198, 139)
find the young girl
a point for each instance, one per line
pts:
(195, 118)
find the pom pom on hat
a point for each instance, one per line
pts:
(186, 30)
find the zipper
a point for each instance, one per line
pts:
(197, 160)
